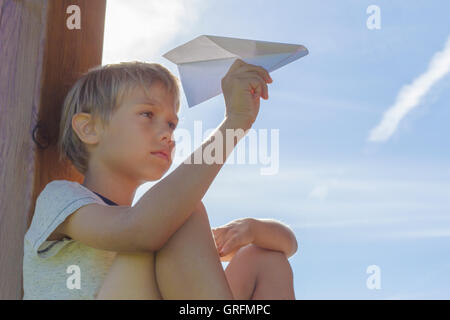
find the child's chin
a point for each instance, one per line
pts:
(156, 175)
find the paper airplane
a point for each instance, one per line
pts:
(204, 61)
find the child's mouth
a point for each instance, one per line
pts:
(160, 155)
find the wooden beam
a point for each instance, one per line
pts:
(40, 58)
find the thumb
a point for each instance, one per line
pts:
(256, 92)
(226, 248)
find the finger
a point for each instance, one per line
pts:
(257, 86)
(236, 65)
(217, 231)
(265, 88)
(257, 92)
(218, 236)
(218, 243)
(260, 70)
(239, 65)
(226, 248)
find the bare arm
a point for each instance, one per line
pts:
(159, 212)
(274, 235)
(265, 233)
(168, 204)
(174, 198)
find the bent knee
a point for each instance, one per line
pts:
(130, 276)
(265, 258)
(199, 213)
(200, 206)
(255, 251)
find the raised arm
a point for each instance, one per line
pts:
(159, 212)
(168, 204)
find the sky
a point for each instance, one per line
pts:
(363, 173)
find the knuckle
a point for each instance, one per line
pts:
(224, 82)
(238, 62)
(201, 206)
(263, 70)
(258, 76)
(258, 79)
(262, 79)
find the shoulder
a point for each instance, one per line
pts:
(62, 196)
(63, 184)
(57, 190)
(58, 200)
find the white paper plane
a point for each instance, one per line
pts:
(204, 61)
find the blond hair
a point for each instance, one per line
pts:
(99, 92)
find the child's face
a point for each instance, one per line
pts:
(138, 128)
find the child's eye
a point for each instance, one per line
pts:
(147, 112)
(172, 125)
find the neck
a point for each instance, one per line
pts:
(119, 190)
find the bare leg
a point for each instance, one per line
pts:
(242, 270)
(255, 273)
(188, 266)
(275, 279)
(131, 276)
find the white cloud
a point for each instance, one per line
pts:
(319, 192)
(342, 222)
(410, 95)
(138, 29)
(419, 234)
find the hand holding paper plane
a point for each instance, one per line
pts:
(204, 61)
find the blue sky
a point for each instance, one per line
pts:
(351, 202)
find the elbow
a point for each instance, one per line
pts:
(293, 247)
(145, 238)
(154, 241)
(158, 239)
(151, 239)
(157, 244)
(148, 243)
(295, 243)
(151, 246)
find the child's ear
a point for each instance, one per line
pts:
(84, 126)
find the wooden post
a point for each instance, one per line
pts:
(40, 58)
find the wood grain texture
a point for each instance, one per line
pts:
(40, 58)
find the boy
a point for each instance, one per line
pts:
(87, 241)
